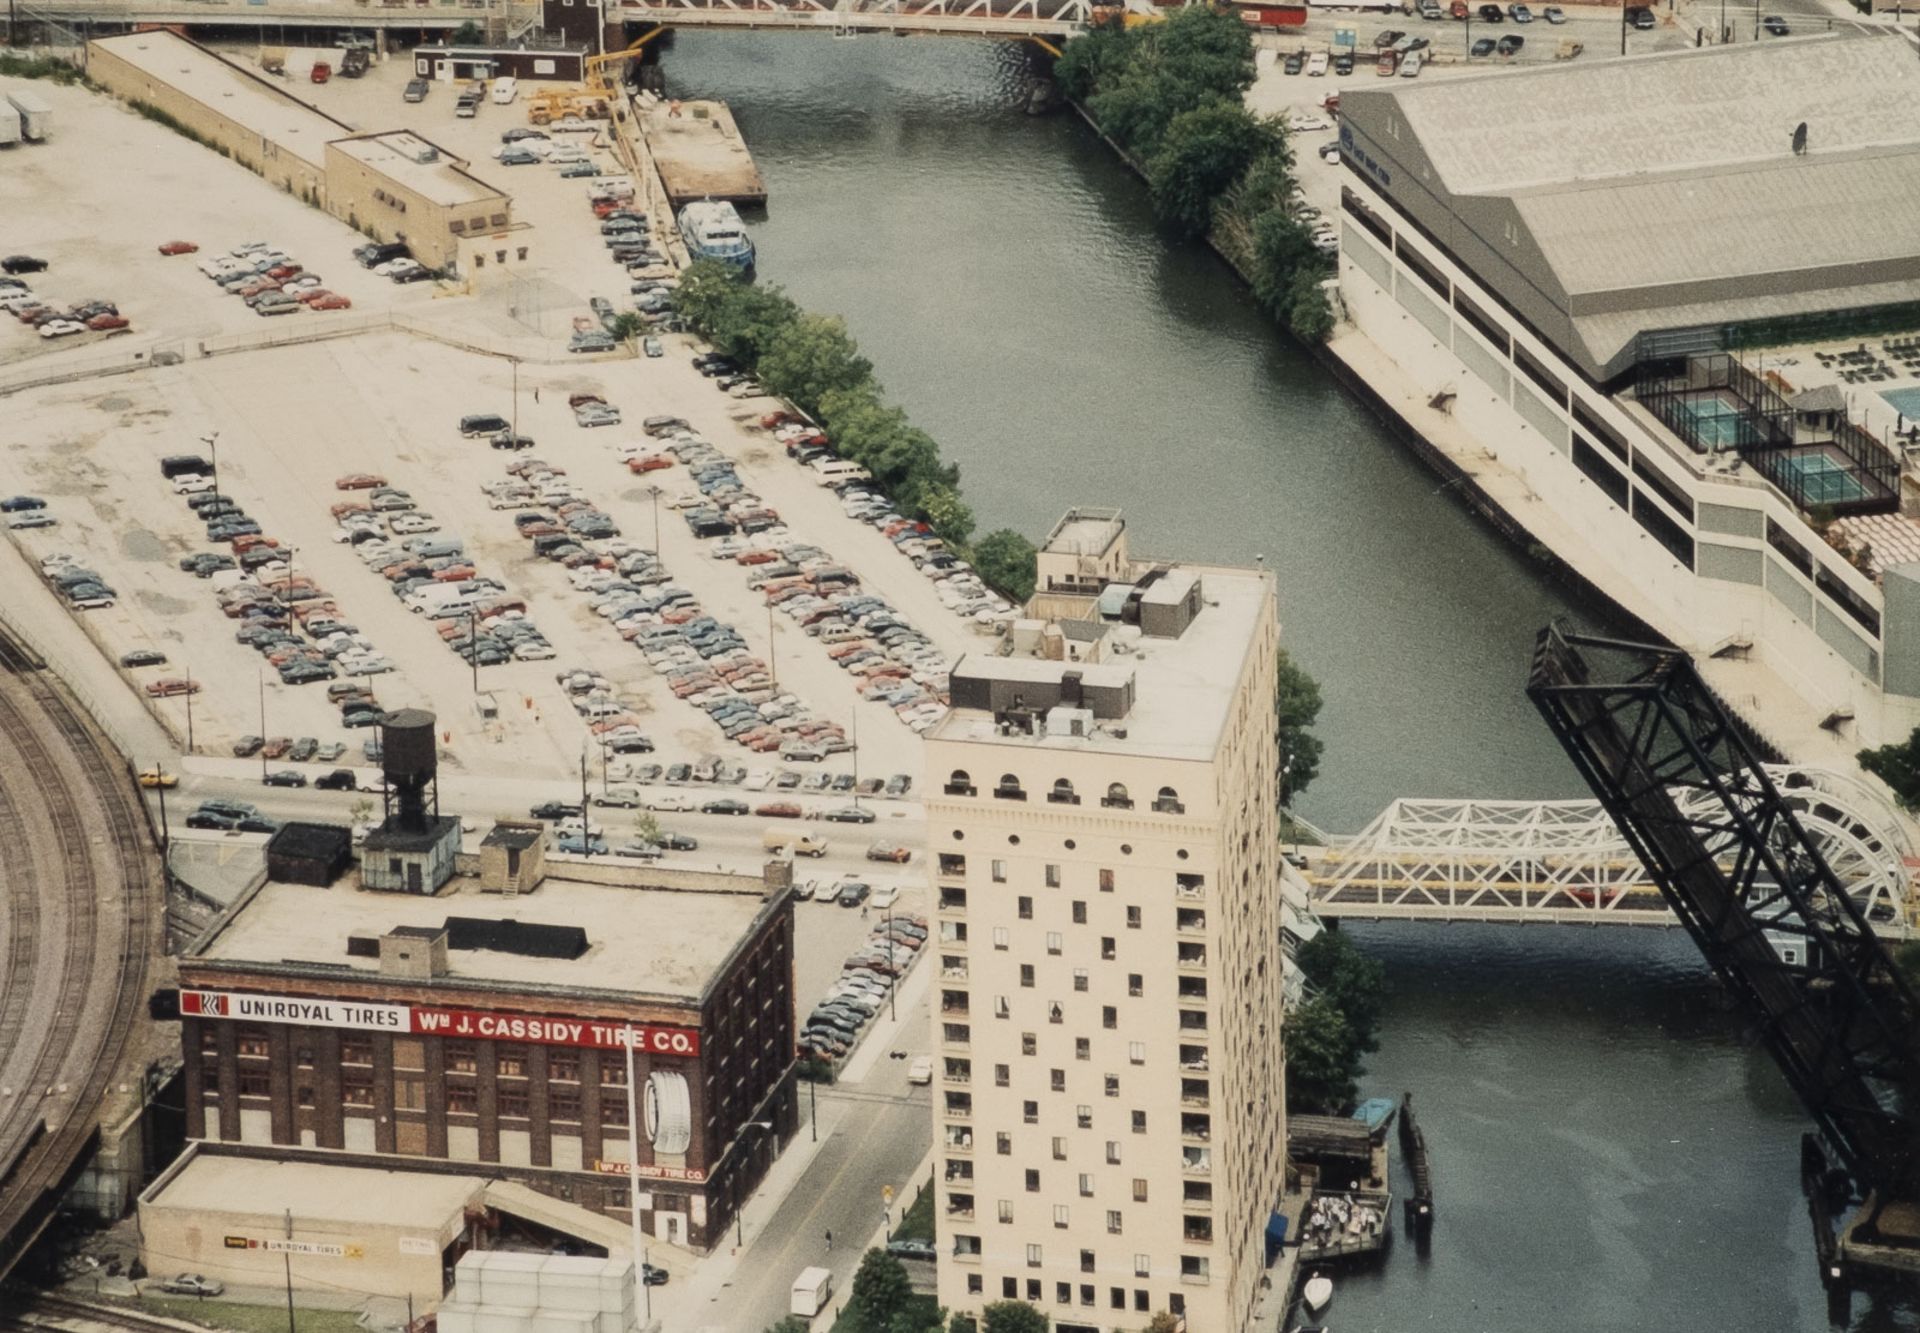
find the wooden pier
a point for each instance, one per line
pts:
(697, 149)
(1413, 1143)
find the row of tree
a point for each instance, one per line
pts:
(813, 362)
(881, 1300)
(1332, 1031)
(1173, 95)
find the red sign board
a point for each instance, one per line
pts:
(435, 1021)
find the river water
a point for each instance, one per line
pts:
(1611, 1153)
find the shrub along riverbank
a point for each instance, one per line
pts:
(1172, 95)
(814, 363)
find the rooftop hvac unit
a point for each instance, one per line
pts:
(426, 153)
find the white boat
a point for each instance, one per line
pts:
(712, 230)
(1316, 1292)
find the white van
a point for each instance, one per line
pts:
(811, 1292)
(1410, 67)
(453, 607)
(505, 90)
(800, 842)
(839, 469)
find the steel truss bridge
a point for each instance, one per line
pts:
(1052, 20)
(1567, 862)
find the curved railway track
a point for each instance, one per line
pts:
(21, 1309)
(79, 885)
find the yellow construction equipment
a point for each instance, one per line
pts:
(567, 102)
(600, 69)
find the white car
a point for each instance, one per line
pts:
(670, 803)
(1317, 65)
(533, 652)
(393, 266)
(192, 484)
(61, 328)
(921, 1070)
(416, 522)
(886, 897)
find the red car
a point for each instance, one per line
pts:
(649, 463)
(284, 271)
(358, 481)
(778, 810)
(311, 294)
(170, 685)
(774, 420)
(757, 557)
(329, 301)
(257, 286)
(102, 323)
(179, 248)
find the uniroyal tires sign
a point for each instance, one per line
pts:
(434, 1021)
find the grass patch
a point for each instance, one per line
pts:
(917, 1222)
(250, 1318)
(924, 1312)
(39, 67)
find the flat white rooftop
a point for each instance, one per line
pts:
(642, 941)
(398, 155)
(1183, 688)
(230, 90)
(316, 1192)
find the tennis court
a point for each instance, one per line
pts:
(1823, 480)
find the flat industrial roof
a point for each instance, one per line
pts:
(641, 941)
(316, 1193)
(231, 91)
(397, 155)
(1182, 690)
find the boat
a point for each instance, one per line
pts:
(712, 230)
(1316, 1292)
(1375, 1113)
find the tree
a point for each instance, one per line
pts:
(1006, 561)
(791, 1324)
(646, 827)
(811, 357)
(1203, 152)
(627, 325)
(881, 1290)
(1309, 316)
(1163, 1322)
(1352, 982)
(1012, 1317)
(1898, 766)
(1281, 248)
(360, 812)
(1321, 1061)
(468, 34)
(950, 516)
(966, 1323)
(1296, 705)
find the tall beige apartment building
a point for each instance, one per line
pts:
(1109, 1096)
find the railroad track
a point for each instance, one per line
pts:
(22, 1309)
(104, 907)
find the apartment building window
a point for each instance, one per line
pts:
(1113, 1222)
(1023, 907)
(1001, 1009)
(254, 1083)
(1086, 1293)
(1113, 1085)
(953, 864)
(999, 872)
(960, 784)
(1107, 948)
(1006, 1211)
(1055, 1014)
(1082, 1048)
(1143, 1265)
(1106, 880)
(1133, 918)
(1139, 1122)
(1139, 1190)
(1117, 1297)
(1059, 1149)
(353, 1050)
(1080, 978)
(462, 1058)
(613, 1112)
(1113, 1152)
(1053, 875)
(1086, 1185)
(563, 1104)
(1194, 1266)
(1116, 797)
(1033, 1256)
(1026, 975)
(1109, 1017)
(1058, 1079)
(1063, 1293)
(563, 1066)
(1009, 788)
(356, 1087)
(1000, 938)
(1063, 793)
(959, 1034)
(1030, 1112)
(513, 1102)
(1029, 1044)
(1136, 985)
(1010, 1288)
(1003, 1143)
(1060, 1215)
(1084, 1116)
(1087, 1264)
(1033, 1181)
(1001, 1075)
(1055, 943)
(1079, 913)
(252, 1043)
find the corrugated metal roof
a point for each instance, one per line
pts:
(1679, 110)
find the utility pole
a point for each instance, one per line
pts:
(773, 664)
(212, 440)
(189, 667)
(654, 492)
(473, 644)
(856, 754)
(261, 677)
(1623, 29)
(165, 838)
(516, 399)
(586, 828)
(633, 1185)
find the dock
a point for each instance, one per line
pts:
(697, 149)
(1344, 1170)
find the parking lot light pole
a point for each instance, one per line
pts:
(189, 667)
(212, 440)
(654, 492)
(261, 676)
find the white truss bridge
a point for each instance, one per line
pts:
(1566, 861)
(1042, 19)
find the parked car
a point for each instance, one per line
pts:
(143, 657)
(1775, 26)
(285, 777)
(22, 264)
(889, 851)
(192, 1284)
(416, 90)
(178, 248)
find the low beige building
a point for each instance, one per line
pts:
(392, 185)
(397, 186)
(254, 1222)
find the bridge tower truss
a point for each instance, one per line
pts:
(1734, 861)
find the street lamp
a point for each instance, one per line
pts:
(212, 440)
(261, 677)
(739, 1225)
(653, 491)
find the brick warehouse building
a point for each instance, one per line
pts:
(483, 1033)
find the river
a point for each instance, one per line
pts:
(1611, 1153)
